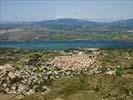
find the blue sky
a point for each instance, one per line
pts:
(29, 10)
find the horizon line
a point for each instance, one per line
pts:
(91, 19)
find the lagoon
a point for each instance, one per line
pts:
(65, 44)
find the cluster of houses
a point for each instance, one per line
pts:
(27, 78)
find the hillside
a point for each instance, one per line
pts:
(73, 74)
(67, 29)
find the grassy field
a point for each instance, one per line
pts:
(88, 87)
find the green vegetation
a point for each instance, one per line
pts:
(84, 86)
(29, 34)
(88, 87)
(115, 57)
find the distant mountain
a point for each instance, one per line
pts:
(80, 25)
(123, 23)
(85, 25)
(68, 24)
(128, 21)
(71, 21)
(65, 21)
(67, 28)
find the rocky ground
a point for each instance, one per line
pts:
(27, 72)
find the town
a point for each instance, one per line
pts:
(29, 72)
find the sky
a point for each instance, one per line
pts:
(34, 10)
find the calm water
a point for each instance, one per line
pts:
(66, 44)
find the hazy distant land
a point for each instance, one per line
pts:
(67, 29)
